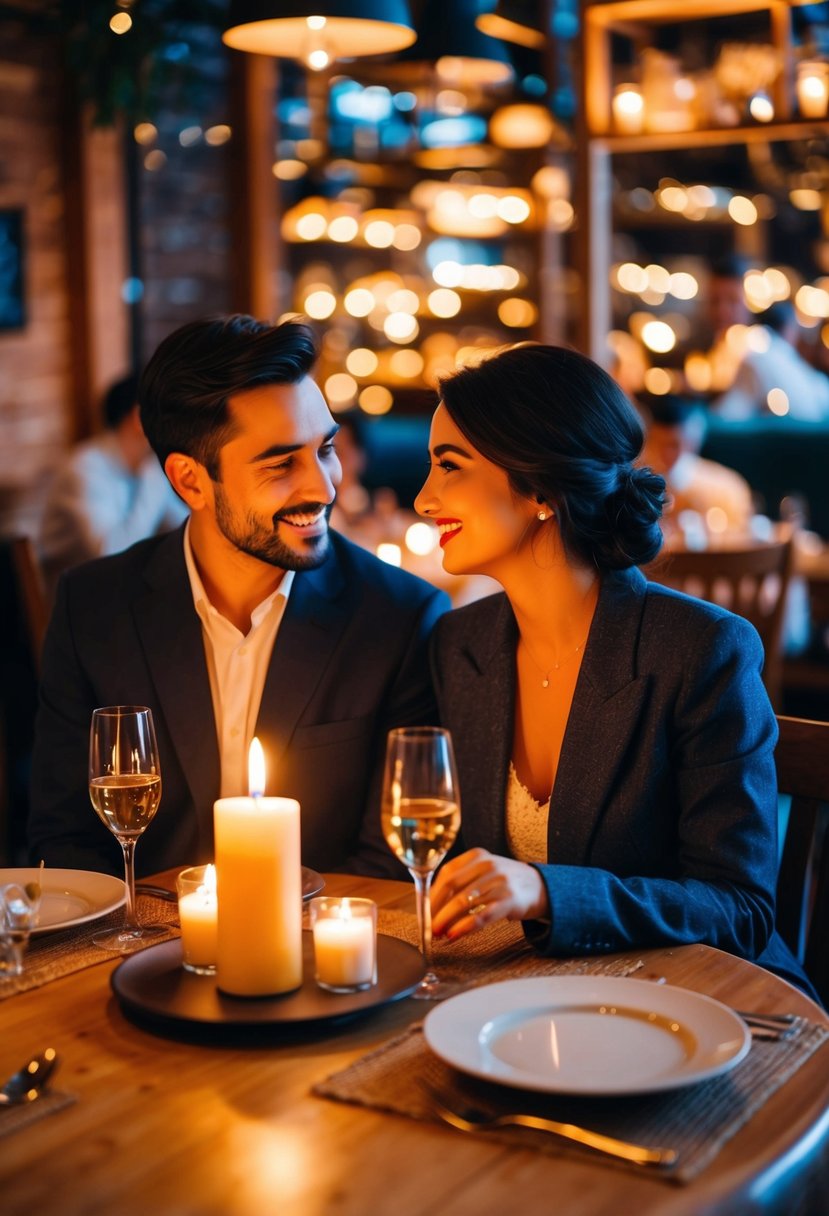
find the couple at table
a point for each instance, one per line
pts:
(642, 710)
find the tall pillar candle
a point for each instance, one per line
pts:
(259, 888)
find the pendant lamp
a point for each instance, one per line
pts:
(519, 21)
(319, 31)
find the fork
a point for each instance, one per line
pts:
(772, 1025)
(472, 1120)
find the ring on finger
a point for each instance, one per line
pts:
(473, 896)
(477, 910)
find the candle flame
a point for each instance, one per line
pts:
(209, 884)
(256, 769)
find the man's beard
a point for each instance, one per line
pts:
(257, 541)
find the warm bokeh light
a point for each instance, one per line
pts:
(761, 108)
(379, 234)
(513, 209)
(320, 304)
(443, 302)
(400, 327)
(517, 313)
(658, 336)
(716, 520)
(812, 301)
(289, 170)
(406, 237)
(658, 380)
(403, 300)
(659, 280)
(362, 362)
(523, 125)
(560, 214)
(155, 160)
(359, 302)
(778, 402)
(343, 229)
(145, 133)
(311, 227)
(421, 538)
(120, 23)
(682, 285)
(406, 364)
(632, 278)
(218, 135)
(376, 399)
(698, 372)
(388, 552)
(806, 199)
(742, 210)
(340, 389)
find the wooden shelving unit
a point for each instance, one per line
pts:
(597, 142)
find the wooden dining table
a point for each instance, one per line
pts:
(171, 1127)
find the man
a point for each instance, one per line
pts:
(252, 619)
(109, 493)
(719, 497)
(761, 374)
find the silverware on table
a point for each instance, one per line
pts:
(146, 888)
(28, 1083)
(472, 1120)
(772, 1025)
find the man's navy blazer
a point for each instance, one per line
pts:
(349, 663)
(663, 818)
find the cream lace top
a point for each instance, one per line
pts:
(526, 821)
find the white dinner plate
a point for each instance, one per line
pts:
(70, 897)
(587, 1035)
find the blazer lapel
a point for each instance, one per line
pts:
(170, 632)
(315, 616)
(606, 707)
(484, 696)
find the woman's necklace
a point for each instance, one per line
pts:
(545, 682)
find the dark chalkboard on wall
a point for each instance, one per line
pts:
(12, 306)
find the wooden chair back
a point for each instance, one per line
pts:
(752, 581)
(802, 760)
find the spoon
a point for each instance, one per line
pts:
(27, 1084)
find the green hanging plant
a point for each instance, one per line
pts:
(158, 58)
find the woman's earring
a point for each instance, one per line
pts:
(542, 515)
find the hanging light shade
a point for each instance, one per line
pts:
(449, 38)
(319, 31)
(516, 21)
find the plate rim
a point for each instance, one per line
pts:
(357, 1003)
(505, 1075)
(33, 873)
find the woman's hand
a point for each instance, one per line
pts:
(478, 888)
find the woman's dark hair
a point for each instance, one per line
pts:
(184, 390)
(565, 434)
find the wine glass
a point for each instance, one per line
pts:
(125, 789)
(421, 816)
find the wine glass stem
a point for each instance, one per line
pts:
(131, 919)
(422, 883)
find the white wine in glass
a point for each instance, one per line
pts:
(421, 816)
(125, 789)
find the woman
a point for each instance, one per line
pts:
(613, 737)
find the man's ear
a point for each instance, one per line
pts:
(187, 477)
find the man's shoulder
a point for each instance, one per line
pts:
(120, 569)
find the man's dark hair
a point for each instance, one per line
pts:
(120, 399)
(185, 387)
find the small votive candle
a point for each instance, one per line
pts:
(345, 943)
(813, 89)
(628, 109)
(198, 915)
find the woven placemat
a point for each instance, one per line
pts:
(696, 1122)
(52, 955)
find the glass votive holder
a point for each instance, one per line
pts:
(18, 916)
(345, 943)
(198, 916)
